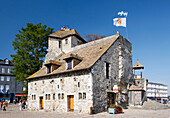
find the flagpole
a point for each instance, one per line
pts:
(127, 26)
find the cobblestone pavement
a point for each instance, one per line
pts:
(13, 112)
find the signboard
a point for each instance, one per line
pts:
(115, 88)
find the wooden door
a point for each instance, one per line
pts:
(41, 103)
(71, 103)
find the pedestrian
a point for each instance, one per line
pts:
(24, 104)
(20, 105)
(4, 106)
(1, 104)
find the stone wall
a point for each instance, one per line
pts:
(66, 84)
(100, 83)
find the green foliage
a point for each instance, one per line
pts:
(30, 45)
(24, 97)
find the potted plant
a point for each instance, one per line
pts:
(115, 109)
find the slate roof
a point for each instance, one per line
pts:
(138, 65)
(65, 33)
(89, 55)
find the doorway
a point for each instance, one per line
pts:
(70, 103)
(110, 98)
(41, 103)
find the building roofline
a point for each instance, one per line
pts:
(156, 83)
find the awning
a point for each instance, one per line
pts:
(21, 94)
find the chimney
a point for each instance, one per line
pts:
(67, 28)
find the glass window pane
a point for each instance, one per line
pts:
(2, 78)
(8, 78)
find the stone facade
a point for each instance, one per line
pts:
(66, 84)
(90, 87)
(101, 84)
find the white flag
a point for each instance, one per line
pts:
(119, 22)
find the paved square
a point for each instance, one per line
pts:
(13, 112)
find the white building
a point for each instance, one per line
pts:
(157, 91)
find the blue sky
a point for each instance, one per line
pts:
(148, 26)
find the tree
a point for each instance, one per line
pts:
(30, 45)
(92, 37)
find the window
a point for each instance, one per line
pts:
(59, 96)
(48, 69)
(9, 70)
(45, 96)
(107, 70)
(1, 87)
(7, 61)
(54, 96)
(24, 88)
(66, 41)
(62, 97)
(48, 96)
(7, 87)
(69, 64)
(78, 84)
(3, 70)
(84, 95)
(8, 78)
(59, 44)
(2, 78)
(80, 95)
(34, 97)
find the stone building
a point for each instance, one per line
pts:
(137, 92)
(9, 88)
(79, 76)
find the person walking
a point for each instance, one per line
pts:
(4, 106)
(20, 105)
(24, 104)
(1, 104)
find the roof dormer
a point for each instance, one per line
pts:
(72, 60)
(6, 61)
(52, 65)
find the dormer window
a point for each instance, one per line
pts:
(48, 69)
(52, 65)
(72, 60)
(69, 64)
(6, 61)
